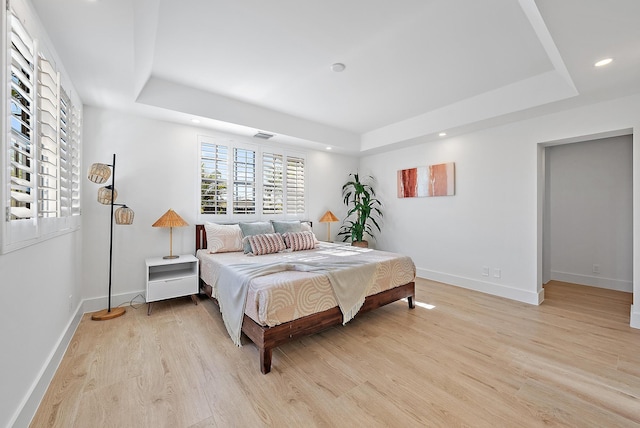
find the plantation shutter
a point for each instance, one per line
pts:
(272, 183)
(74, 158)
(48, 111)
(214, 171)
(295, 185)
(21, 149)
(244, 181)
(65, 155)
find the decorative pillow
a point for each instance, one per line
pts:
(298, 241)
(282, 226)
(306, 227)
(223, 238)
(266, 244)
(254, 228)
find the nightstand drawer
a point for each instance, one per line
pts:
(169, 288)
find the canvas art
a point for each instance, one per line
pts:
(432, 180)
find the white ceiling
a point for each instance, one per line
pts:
(414, 68)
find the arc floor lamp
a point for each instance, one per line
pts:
(99, 173)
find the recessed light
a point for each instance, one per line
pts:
(328, 148)
(195, 120)
(442, 134)
(603, 62)
(338, 67)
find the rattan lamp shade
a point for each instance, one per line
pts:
(328, 217)
(170, 219)
(99, 173)
(105, 194)
(124, 215)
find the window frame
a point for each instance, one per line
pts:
(38, 226)
(233, 143)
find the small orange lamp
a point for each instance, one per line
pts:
(170, 219)
(328, 217)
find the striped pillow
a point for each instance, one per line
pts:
(266, 243)
(298, 241)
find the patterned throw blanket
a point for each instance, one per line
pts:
(350, 281)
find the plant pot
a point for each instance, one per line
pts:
(361, 244)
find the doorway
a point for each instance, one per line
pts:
(588, 222)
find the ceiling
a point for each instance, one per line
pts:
(414, 68)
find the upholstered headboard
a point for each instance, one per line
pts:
(201, 235)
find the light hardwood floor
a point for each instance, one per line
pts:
(472, 360)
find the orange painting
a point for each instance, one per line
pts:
(434, 180)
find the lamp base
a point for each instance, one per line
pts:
(104, 314)
(170, 257)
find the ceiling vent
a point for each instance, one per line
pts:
(263, 135)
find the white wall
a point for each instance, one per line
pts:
(493, 220)
(156, 170)
(40, 284)
(591, 221)
(35, 313)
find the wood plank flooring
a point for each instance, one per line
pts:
(471, 360)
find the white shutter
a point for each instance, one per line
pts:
(65, 151)
(272, 183)
(244, 181)
(241, 180)
(74, 131)
(214, 173)
(21, 150)
(295, 185)
(48, 111)
(41, 146)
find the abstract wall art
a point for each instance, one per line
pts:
(432, 180)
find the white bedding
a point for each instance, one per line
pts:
(284, 296)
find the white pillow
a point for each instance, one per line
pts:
(223, 238)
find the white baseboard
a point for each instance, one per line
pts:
(27, 410)
(525, 296)
(99, 303)
(635, 316)
(593, 281)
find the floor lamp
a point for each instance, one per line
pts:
(99, 173)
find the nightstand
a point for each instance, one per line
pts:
(169, 278)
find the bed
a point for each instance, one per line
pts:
(298, 301)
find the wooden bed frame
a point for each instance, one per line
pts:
(267, 338)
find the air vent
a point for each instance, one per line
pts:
(263, 135)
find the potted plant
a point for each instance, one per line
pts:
(364, 210)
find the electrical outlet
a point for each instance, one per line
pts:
(497, 273)
(485, 270)
(70, 303)
(596, 268)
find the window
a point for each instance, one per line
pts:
(272, 183)
(295, 185)
(265, 181)
(21, 134)
(48, 110)
(244, 181)
(214, 173)
(42, 145)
